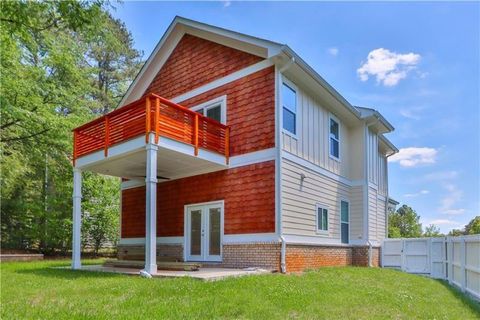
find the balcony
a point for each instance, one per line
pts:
(113, 143)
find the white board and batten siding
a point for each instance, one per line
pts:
(456, 259)
(311, 141)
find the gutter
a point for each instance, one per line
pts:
(278, 158)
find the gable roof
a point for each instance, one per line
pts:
(180, 26)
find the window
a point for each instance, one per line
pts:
(214, 109)
(344, 218)
(334, 139)
(322, 219)
(289, 101)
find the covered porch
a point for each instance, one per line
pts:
(151, 140)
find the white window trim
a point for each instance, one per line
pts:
(297, 126)
(222, 100)
(332, 117)
(349, 218)
(322, 206)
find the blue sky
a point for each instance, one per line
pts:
(417, 63)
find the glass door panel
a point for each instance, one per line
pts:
(214, 231)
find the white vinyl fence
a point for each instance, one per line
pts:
(456, 259)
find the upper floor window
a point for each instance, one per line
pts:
(322, 218)
(215, 109)
(334, 138)
(289, 101)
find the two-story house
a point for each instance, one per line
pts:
(233, 151)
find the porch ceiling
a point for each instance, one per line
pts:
(170, 164)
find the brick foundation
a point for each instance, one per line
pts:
(267, 255)
(303, 257)
(360, 256)
(262, 255)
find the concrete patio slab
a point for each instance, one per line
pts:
(204, 273)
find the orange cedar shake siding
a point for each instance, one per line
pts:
(250, 110)
(248, 191)
(195, 62)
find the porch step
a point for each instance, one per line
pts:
(161, 265)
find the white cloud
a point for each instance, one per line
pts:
(408, 113)
(412, 112)
(388, 67)
(419, 193)
(226, 3)
(448, 202)
(333, 51)
(412, 157)
(445, 222)
(441, 175)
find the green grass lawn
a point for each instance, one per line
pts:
(35, 290)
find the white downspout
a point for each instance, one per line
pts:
(369, 253)
(283, 251)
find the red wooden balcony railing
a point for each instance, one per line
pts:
(151, 114)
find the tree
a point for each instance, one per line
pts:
(404, 223)
(48, 87)
(473, 227)
(100, 212)
(432, 231)
(114, 61)
(456, 232)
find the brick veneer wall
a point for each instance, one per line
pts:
(360, 256)
(252, 184)
(302, 257)
(250, 110)
(195, 62)
(264, 255)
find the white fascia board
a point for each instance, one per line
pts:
(118, 150)
(222, 81)
(252, 157)
(170, 39)
(273, 48)
(310, 71)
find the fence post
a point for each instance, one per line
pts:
(463, 256)
(403, 255)
(450, 259)
(445, 258)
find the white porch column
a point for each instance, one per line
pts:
(151, 208)
(77, 218)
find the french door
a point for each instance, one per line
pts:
(204, 232)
